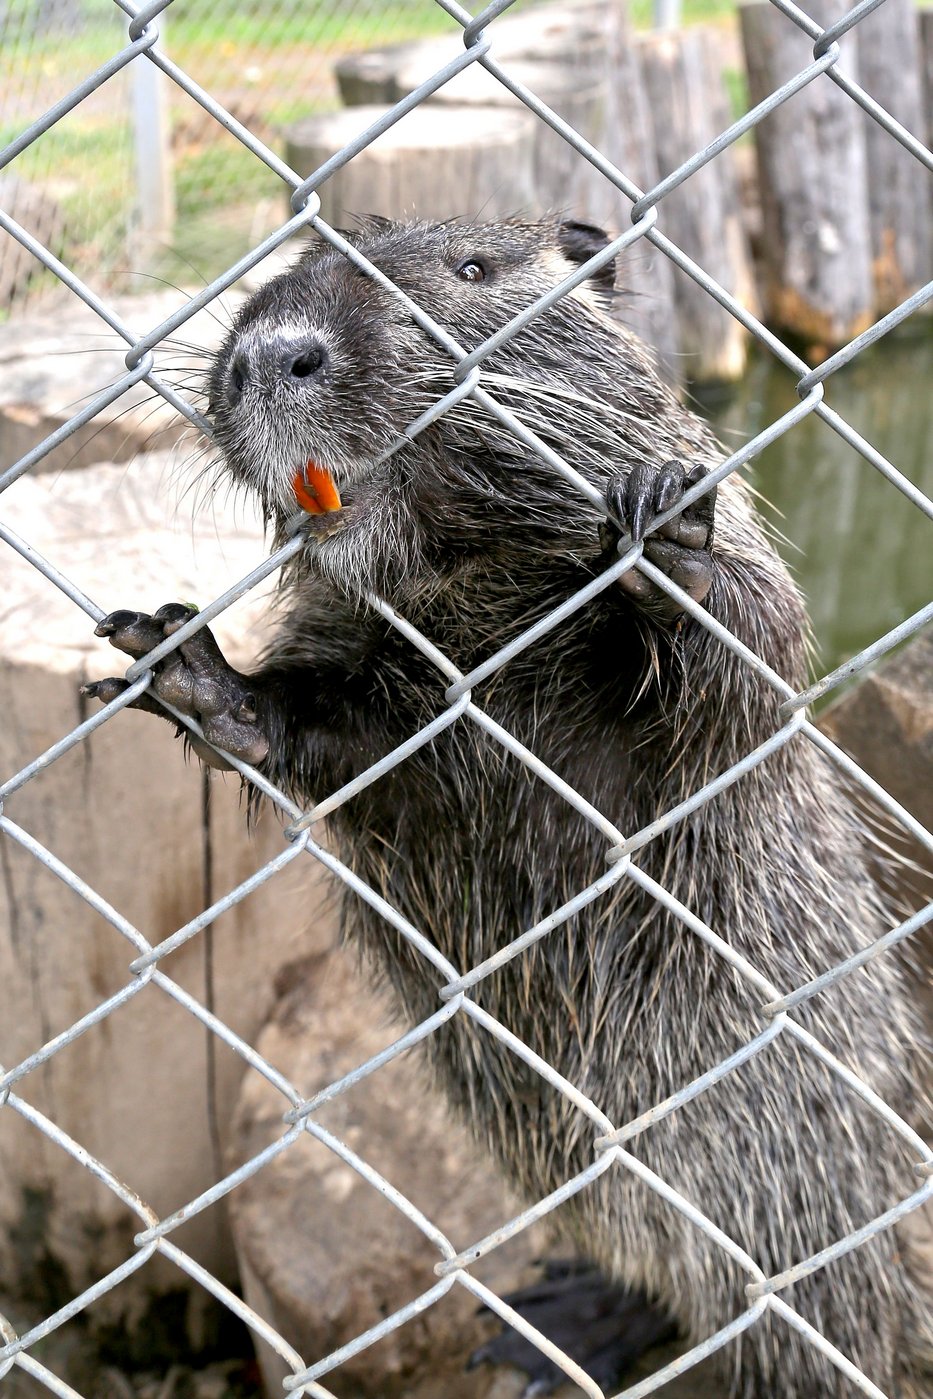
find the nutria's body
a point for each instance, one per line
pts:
(472, 538)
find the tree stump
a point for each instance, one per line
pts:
(562, 178)
(436, 163)
(561, 53)
(703, 216)
(568, 32)
(813, 175)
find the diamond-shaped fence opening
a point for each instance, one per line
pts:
(797, 1065)
(156, 153)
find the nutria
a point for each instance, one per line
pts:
(473, 537)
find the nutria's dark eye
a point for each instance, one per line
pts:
(471, 271)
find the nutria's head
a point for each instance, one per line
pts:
(325, 368)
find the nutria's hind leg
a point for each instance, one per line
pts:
(195, 679)
(603, 1327)
(680, 548)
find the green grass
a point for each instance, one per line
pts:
(66, 157)
(191, 36)
(205, 177)
(76, 160)
(256, 30)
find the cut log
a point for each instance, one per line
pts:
(563, 180)
(558, 52)
(703, 216)
(813, 176)
(561, 53)
(436, 163)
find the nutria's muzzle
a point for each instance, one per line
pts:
(266, 360)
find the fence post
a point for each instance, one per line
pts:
(667, 14)
(152, 142)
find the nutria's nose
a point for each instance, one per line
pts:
(305, 361)
(266, 362)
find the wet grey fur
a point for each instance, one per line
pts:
(474, 539)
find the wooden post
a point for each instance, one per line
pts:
(703, 216)
(899, 188)
(813, 176)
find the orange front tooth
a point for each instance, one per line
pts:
(315, 490)
(305, 499)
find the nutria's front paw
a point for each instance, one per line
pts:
(602, 1326)
(195, 679)
(680, 548)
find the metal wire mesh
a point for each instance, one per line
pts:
(456, 984)
(267, 64)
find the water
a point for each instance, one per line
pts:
(862, 553)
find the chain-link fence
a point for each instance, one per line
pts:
(173, 192)
(783, 1009)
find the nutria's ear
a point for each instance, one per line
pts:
(365, 226)
(581, 241)
(369, 224)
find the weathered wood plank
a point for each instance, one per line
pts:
(703, 216)
(899, 187)
(813, 174)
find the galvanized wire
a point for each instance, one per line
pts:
(162, 155)
(455, 705)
